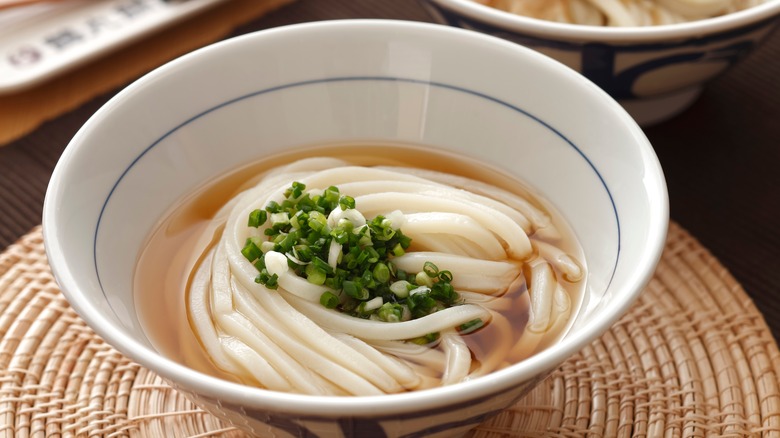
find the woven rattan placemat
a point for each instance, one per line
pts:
(692, 358)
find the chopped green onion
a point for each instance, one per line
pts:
(341, 236)
(303, 253)
(322, 265)
(259, 264)
(299, 220)
(315, 275)
(329, 300)
(360, 258)
(425, 340)
(444, 292)
(471, 326)
(391, 312)
(267, 280)
(273, 207)
(419, 290)
(421, 304)
(430, 269)
(423, 279)
(400, 288)
(381, 273)
(445, 276)
(281, 218)
(370, 305)
(267, 246)
(354, 289)
(331, 196)
(251, 251)
(295, 191)
(257, 218)
(288, 241)
(347, 202)
(317, 221)
(365, 236)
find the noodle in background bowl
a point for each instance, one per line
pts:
(655, 72)
(376, 82)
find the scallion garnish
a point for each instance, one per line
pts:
(347, 202)
(329, 300)
(257, 218)
(251, 251)
(471, 326)
(430, 269)
(362, 278)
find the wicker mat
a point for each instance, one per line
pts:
(693, 358)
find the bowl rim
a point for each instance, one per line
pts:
(638, 34)
(367, 406)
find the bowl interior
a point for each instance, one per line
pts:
(367, 81)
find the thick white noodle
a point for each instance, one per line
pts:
(428, 242)
(542, 289)
(234, 324)
(300, 335)
(401, 371)
(429, 358)
(457, 225)
(486, 276)
(497, 304)
(538, 218)
(562, 261)
(237, 326)
(364, 188)
(285, 340)
(378, 330)
(458, 358)
(200, 317)
(515, 237)
(255, 365)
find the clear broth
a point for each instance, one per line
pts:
(175, 248)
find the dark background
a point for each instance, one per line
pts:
(721, 157)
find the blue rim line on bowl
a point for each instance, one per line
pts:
(348, 79)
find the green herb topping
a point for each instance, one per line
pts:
(352, 257)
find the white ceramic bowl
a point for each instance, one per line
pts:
(655, 72)
(377, 81)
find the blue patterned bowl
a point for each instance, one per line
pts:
(654, 72)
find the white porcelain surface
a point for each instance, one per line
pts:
(655, 71)
(373, 81)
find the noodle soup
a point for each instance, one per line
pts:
(476, 272)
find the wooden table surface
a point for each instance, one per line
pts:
(721, 157)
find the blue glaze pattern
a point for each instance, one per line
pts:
(598, 60)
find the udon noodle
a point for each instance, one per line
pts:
(280, 335)
(621, 12)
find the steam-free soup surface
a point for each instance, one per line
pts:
(188, 234)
